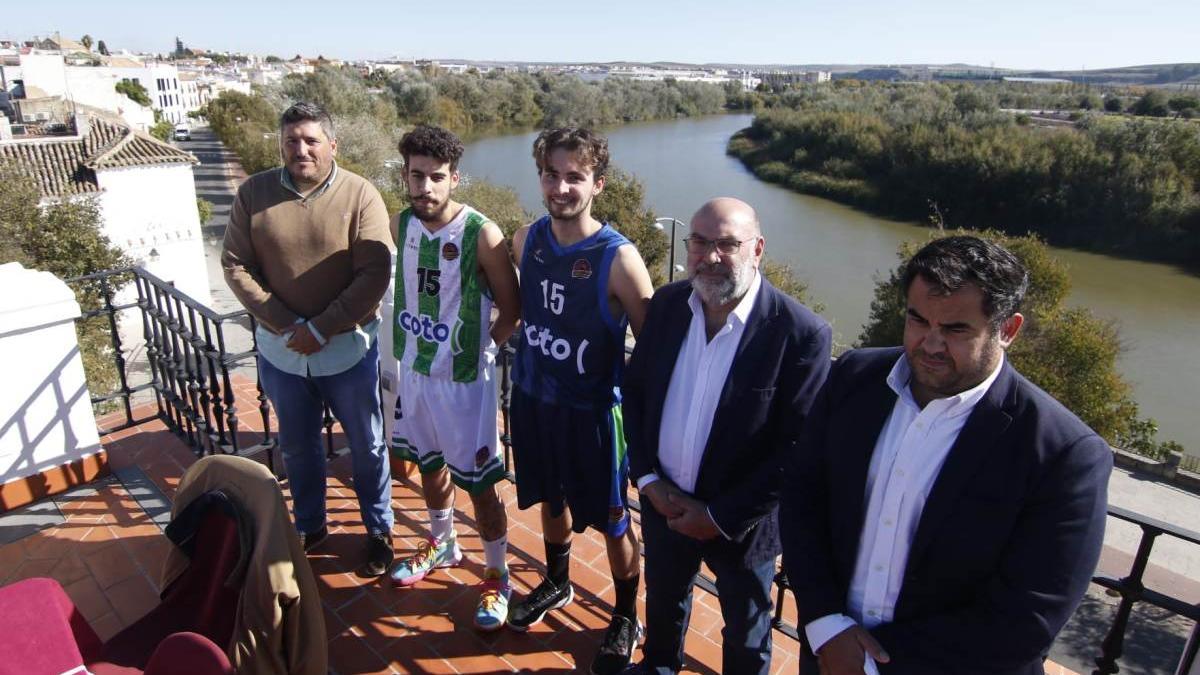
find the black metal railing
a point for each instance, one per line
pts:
(1131, 589)
(187, 366)
(189, 371)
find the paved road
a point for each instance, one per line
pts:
(212, 176)
(215, 179)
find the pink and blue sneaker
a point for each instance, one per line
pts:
(431, 555)
(492, 612)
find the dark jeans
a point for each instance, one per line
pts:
(353, 395)
(672, 562)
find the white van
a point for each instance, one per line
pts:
(182, 133)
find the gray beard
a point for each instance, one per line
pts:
(727, 290)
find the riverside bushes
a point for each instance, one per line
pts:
(1111, 184)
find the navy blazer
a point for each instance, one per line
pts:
(780, 363)
(1006, 544)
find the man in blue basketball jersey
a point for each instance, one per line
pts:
(582, 284)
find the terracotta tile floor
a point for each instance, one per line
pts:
(108, 554)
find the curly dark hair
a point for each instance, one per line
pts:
(949, 263)
(430, 141)
(592, 148)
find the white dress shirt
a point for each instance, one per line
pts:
(908, 456)
(697, 381)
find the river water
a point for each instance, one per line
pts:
(838, 251)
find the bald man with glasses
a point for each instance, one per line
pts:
(715, 395)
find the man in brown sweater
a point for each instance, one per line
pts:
(308, 253)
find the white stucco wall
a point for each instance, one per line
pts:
(95, 86)
(46, 417)
(150, 213)
(137, 116)
(44, 74)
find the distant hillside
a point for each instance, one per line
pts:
(1146, 75)
(1163, 73)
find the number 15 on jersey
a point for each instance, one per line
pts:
(552, 296)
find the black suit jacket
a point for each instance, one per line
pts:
(1006, 544)
(780, 363)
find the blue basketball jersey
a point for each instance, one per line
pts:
(572, 349)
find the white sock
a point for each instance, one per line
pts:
(441, 523)
(496, 554)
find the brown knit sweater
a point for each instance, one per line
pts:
(326, 258)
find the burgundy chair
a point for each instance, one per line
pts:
(203, 600)
(41, 631)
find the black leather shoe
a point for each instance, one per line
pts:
(379, 554)
(312, 540)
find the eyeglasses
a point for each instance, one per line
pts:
(697, 245)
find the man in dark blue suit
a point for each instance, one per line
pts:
(942, 514)
(715, 394)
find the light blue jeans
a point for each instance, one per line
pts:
(353, 396)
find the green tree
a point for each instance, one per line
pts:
(271, 58)
(1090, 102)
(248, 126)
(134, 91)
(416, 101)
(498, 202)
(1113, 104)
(1152, 104)
(162, 130)
(86, 41)
(1182, 104)
(102, 48)
(782, 276)
(63, 237)
(622, 205)
(971, 99)
(1068, 352)
(204, 209)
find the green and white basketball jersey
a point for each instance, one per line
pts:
(443, 307)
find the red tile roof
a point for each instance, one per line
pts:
(67, 165)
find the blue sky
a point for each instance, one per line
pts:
(1015, 34)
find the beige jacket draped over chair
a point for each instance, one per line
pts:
(280, 627)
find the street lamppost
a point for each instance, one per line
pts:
(672, 268)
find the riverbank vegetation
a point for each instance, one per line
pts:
(372, 112)
(1067, 351)
(1107, 183)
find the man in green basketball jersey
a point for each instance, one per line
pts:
(451, 266)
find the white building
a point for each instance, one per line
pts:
(161, 81)
(189, 90)
(211, 87)
(47, 76)
(264, 74)
(144, 189)
(646, 73)
(391, 67)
